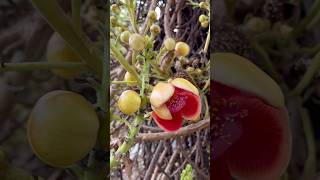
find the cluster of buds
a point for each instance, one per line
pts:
(204, 20)
(256, 24)
(171, 102)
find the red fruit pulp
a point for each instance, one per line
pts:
(248, 134)
(182, 103)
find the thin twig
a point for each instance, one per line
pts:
(168, 135)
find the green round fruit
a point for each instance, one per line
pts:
(130, 77)
(137, 42)
(62, 128)
(169, 44)
(129, 102)
(59, 51)
(182, 49)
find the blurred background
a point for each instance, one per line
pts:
(23, 38)
(282, 37)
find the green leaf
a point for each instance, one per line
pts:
(187, 173)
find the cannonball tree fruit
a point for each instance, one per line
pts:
(169, 44)
(174, 101)
(59, 51)
(250, 133)
(129, 102)
(62, 128)
(137, 42)
(182, 49)
(129, 77)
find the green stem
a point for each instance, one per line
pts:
(122, 82)
(60, 22)
(310, 164)
(97, 170)
(127, 144)
(125, 63)
(31, 66)
(76, 13)
(134, 58)
(133, 20)
(310, 51)
(157, 69)
(308, 76)
(308, 19)
(266, 60)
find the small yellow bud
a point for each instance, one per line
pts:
(169, 44)
(152, 15)
(155, 29)
(182, 49)
(190, 69)
(113, 21)
(203, 5)
(198, 71)
(137, 42)
(115, 8)
(124, 37)
(205, 24)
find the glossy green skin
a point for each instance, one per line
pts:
(62, 128)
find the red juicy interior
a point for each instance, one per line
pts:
(181, 103)
(255, 152)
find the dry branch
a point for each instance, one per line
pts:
(187, 130)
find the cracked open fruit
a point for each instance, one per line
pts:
(62, 128)
(59, 51)
(174, 101)
(250, 132)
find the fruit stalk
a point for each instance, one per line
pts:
(124, 63)
(310, 163)
(128, 142)
(308, 76)
(206, 46)
(97, 170)
(59, 21)
(31, 66)
(307, 20)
